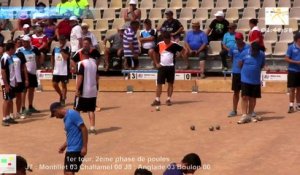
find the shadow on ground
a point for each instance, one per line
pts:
(104, 130)
(109, 108)
(273, 118)
(184, 102)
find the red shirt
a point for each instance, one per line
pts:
(37, 41)
(64, 28)
(254, 34)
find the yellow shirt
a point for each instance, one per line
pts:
(62, 8)
(79, 6)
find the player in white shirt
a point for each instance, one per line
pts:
(32, 55)
(76, 35)
(87, 87)
(60, 61)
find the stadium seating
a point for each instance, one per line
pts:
(176, 4)
(194, 4)
(280, 49)
(101, 4)
(208, 4)
(239, 4)
(253, 4)
(249, 13)
(146, 4)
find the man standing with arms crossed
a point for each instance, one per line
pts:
(77, 137)
(167, 50)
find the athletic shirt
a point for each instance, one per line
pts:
(236, 54)
(30, 55)
(167, 52)
(7, 64)
(293, 53)
(38, 41)
(88, 69)
(61, 66)
(19, 60)
(94, 54)
(75, 35)
(148, 34)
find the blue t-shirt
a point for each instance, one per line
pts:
(252, 66)
(72, 123)
(196, 39)
(235, 54)
(229, 40)
(173, 170)
(293, 53)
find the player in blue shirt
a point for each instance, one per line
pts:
(293, 58)
(252, 61)
(227, 43)
(77, 137)
(235, 55)
(189, 165)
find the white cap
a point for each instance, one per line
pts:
(73, 18)
(132, 2)
(26, 38)
(219, 13)
(25, 26)
(84, 25)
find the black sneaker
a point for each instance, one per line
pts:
(155, 103)
(5, 123)
(33, 110)
(291, 109)
(168, 103)
(12, 121)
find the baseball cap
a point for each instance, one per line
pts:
(54, 106)
(26, 38)
(219, 13)
(25, 26)
(73, 18)
(132, 2)
(169, 12)
(239, 35)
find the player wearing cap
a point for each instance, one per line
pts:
(293, 59)
(77, 137)
(235, 55)
(76, 35)
(32, 55)
(87, 87)
(196, 44)
(60, 61)
(167, 50)
(218, 27)
(227, 43)
(8, 83)
(252, 61)
(171, 25)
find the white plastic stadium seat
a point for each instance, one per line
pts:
(224, 4)
(176, 4)
(208, 4)
(186, 13)
(239, 4)
(194, 4)
(146, 4)
(280, 49)
(253, 4)
(214, 48)
(270, 37)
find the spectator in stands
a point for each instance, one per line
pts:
(167, 51)
(26, 30)
(218, 27)
(40, 17)
(255, 35)
(116, 47)
(173, 26)
(79, 6)
(132, 14)
(196, 45)
(293, 59)
(40, 41)
(76, 35)
(22, 20)
(32, 55)
(148, 39)
(252, 61)
(227, 43)
(235, 55)
(87, 33)
(141, 171)
(64, 7)
(131, 46)
(64, 28)
(5, 24)
(49, 31)
(189, 165)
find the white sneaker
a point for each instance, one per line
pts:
(244, 119)
(253, 119)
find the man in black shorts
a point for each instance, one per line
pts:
(77, 137)
(8, 83)
(60, 61)
(167, 50)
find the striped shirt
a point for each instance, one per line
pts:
(130, 37)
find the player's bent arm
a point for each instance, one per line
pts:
(4, 78)
(62, 148)
(84, 139)
(24, 69)
(178, 31)
(208, 31)
(187, 47)
(289, 60)
(184, 53)
(156, 62)
(65, 55)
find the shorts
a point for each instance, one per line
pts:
(20, 88)
(236, 82)
(60, 78)
(113, 52)
(10, 95)
(293, 79)
(251, 90)
(202, 56)
(73, 161)
(33, 83)
(131, 62)
(166, 73)
(85, 104)
(144, 51)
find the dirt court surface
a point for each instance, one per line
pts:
(132, 134)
